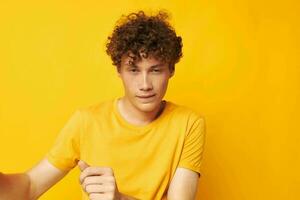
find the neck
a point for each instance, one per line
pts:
(135, 116)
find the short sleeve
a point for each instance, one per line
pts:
(65, 152)
(192, 153)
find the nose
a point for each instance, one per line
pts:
(146, 84)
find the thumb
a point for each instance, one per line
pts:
(82, 165)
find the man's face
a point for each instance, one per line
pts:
(145, 82)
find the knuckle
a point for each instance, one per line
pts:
(85, 183)
(110, 196)
(110, 188)
(87, 188)
(91, 196)
(111, 179)
(81, 177)
(88, 170)
(110, 170)
(95, 170)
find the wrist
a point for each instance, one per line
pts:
(125, 197)
(122, 197)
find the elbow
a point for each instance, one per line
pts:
(15, 186)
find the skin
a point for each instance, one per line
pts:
(146, 77)
(100, 183)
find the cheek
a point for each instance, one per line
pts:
(161, 84)
(128, 83)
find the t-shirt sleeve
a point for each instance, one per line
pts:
(192, 153)
(65, 152)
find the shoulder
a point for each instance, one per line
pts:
(190, 114)
(94, 109)
(193, 120)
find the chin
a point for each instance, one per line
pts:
(146, 107)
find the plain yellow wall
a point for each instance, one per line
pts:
(240, 69)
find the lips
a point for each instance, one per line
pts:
(146, 96)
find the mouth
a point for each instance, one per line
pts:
(146, 96)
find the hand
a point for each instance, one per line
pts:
(98, 182)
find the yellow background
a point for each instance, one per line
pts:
(240, 68)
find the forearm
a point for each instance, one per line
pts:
(14, 186)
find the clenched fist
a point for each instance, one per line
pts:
(98, 182)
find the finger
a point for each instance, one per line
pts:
(95, 171)
(98, 180)
(101, 196)
(96, 188)
(82, 165)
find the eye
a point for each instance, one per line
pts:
(156, 70)
(133, 70)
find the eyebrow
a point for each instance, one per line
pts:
(157, 65)
(153, 66)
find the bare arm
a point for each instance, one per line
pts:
(183, 185)
(14, 186)
(31, 184)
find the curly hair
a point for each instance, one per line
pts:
(137, 35)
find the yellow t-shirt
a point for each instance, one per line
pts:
(143, 158)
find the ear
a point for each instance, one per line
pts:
(118, 68)
(172, 72)
(171, 69)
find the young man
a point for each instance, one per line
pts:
(138, 146)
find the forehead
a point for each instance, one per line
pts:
(149, 61)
